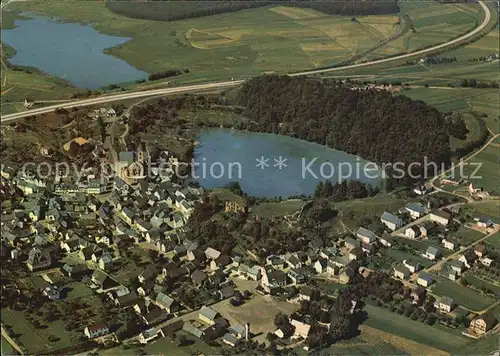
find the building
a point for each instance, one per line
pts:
(484, 222)
(441, 217)
(272, 279)
(239, 206)
(401, 272)
(426, 228)
(483, 323)
(451, 243)
(150, 334)
(365, 235)
(413, 266)
(445, 305)
(207, 315)
(412, 232)
(391, 221)
(387, 240)
(51, 292)
(415, 210)
(480, 249)
(96, 330)
(424, 279)
(432, 253)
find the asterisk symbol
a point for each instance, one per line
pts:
(280, 163)
(262, 162)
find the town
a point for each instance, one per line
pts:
(109, 260)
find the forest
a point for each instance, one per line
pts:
(374, 125)
(179, 10)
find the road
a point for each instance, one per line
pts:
(459, 251)
(229, 84)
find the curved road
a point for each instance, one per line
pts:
(228, 84)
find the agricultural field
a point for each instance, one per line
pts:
(352, 212)
(433, 23)
(400, 256)
(277, 209)
(463, 296)
(245, 42)
(404, 327)
(467, 236)
(16, 85)
(480, 284)
(494, 240)
(484, 47)
(487, 176)
(484, 346)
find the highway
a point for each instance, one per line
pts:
(228, 84)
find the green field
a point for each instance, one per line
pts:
(433, 23)
(487, 175)
(246, 42)
(484, 346)
(353, 211)
(479, 283)
(494, 240)
(463, 296)
(277, 209)
(393, 323)
(401, 256)
(486, 46)
(467, 236)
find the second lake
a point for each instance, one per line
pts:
(255, 159)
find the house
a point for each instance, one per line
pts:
(237, 205)
(421, 190)
(441, 217)
(301, 329)
(418, 295)
(450, 243)
(306, 293)
(484, 222)
(296, 276)
(193, 330)
(38, 259)
(148, 274)
(51, 292)
(426, 228)
(350, 243)
(164, 302)
(432, 253)
(239, 331)
(356, 254)
(386, 239)
(150, 334)
(101, 280)
(105, 261)
(412, 232)
(391, 221)
(416, 210)
(293, 262)
(480, 249)
(221, 262)
(96, 330)
(253, 273)
(230, 340)
(448, 272)
(212, 254)
(199, 277)
(154, 316)
(424, 279)
(483, 323)
(468, 258)
(486, 261)
(401, 272)
(445, 305)
(272, 279)
(207, 315)
(366, 236)
(225, 293)
(320, 265)
(127, 300)
(75, 271)
(412, 265)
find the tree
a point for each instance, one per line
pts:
(102, 128)
(282, 322)
(181, 340)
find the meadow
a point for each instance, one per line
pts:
(487, 174)
(433, 23)
(417, 331)
(463, 296)
(468, 236)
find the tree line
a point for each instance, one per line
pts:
(179, 10)
(372, 124)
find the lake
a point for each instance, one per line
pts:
(225, 155)
(70, 51)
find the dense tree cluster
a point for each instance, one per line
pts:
(165, 74)
(346, 190)
(457, 128)
(178, 10)
(473, 83)
(372, 124)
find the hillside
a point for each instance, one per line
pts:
(178, 10)
(372, 124)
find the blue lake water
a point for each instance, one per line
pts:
(222, 155)
(70, 51)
